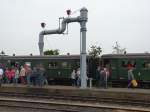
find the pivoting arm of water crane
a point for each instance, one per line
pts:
(62, 28)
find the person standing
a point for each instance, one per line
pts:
(98, 78)
(16, 76)
(78, 75)
(7, 75)
(22, 75)
(130, 76)
(40, 75)
(12, 74)
(43, 76)
(73, 78)
(104, 77)
(28, 75)
(33, 76)
(1, 75)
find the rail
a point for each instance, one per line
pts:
(73, 100)
(63, 106)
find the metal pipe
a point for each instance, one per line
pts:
(56, 31)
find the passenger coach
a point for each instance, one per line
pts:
(58, 68)
(118, 68)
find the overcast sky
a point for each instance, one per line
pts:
(124, 21)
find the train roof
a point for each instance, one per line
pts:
(42, 57)
(128, 55)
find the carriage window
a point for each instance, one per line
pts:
(134, 64)
(64, 64)
(9, 61)
(113, 66)
(128, 64)
(28, 64)
(78, 63)
(17, 64)
(12, 64)
(146, 65)
(106, 62)
(52, 65)
(123, 64)
(131, 63)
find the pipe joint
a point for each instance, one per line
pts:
(83, 29)
(83, 15)
(82, 19)
(42, 33)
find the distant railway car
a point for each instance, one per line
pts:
(118, 68)
(58, 68)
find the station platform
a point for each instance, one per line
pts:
(59, 87)
(142, 96)
(119, 93)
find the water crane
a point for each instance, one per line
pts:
(82, 19)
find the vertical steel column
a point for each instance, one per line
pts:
(83, 15)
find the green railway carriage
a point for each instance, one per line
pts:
(58, 68)
(118, 67)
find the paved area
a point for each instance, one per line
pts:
(128, 90)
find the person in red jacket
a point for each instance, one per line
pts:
(8, 75)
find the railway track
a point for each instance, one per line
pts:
(65, 103)
(60, 97)
(62, 106)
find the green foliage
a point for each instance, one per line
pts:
(51, 52)
(95, 51)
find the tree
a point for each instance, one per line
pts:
(95, 51)
(51, 52)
